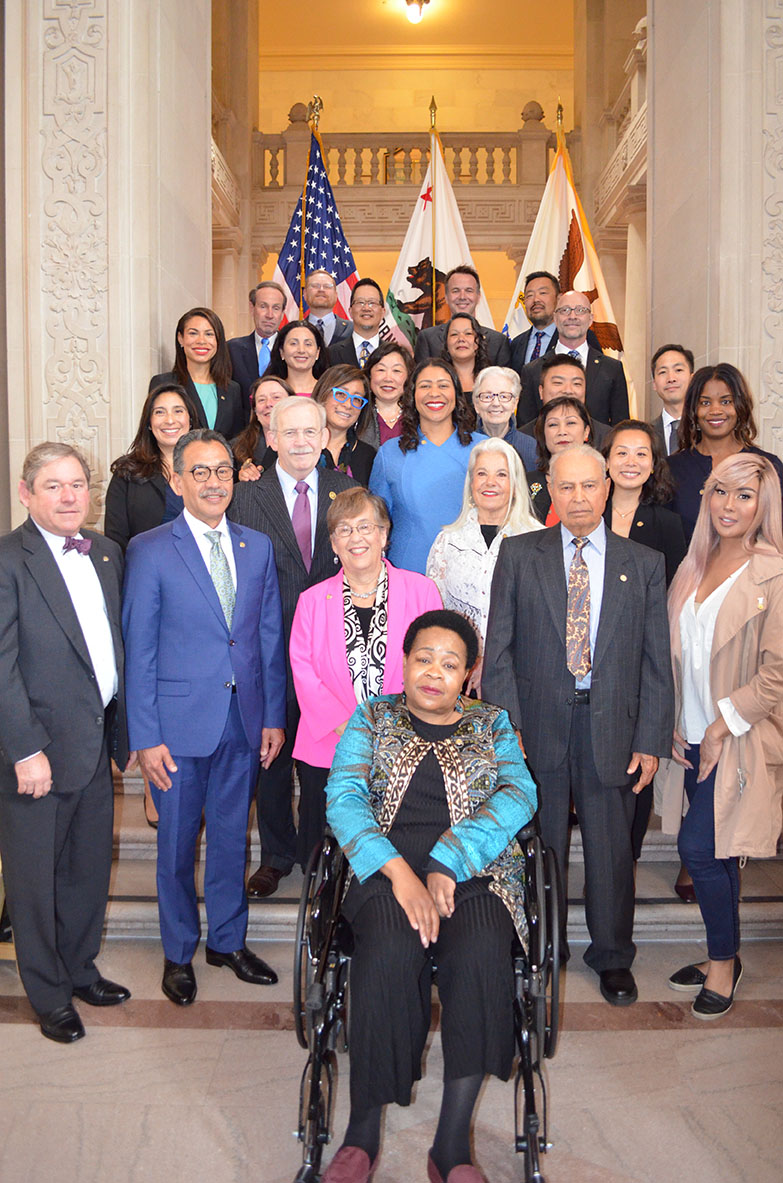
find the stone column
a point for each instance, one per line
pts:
(715, 189)
(107, 131)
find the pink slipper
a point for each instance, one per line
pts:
(350, 1165)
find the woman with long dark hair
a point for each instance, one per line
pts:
(564, 421)
(388, 369)
(299, 355)
(465, 347)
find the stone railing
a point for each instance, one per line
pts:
(621, 185)
(498, 179)
(225, 191)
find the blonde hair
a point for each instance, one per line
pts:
(764, 535)
(520, 516)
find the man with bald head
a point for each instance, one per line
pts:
(578, 653)
(607, 389)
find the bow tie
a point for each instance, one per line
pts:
(81, 544)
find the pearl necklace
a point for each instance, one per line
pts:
(365, 595)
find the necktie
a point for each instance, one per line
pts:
(319, 324)
(82, 545)
(221, 576)
(537, 347)
(578, 614)
(263, 355)
(300, 520)
(674, 435)
(364, 353)
(574, 353)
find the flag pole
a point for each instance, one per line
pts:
(433, 138)
(314, 109)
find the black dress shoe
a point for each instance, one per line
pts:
(710, 1005)
(618, 986)
(63, 1025)
(179, 982)
(102, 993)
(264, 882)
(245, 965)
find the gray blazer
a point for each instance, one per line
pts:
(49, 698)
(631, 697)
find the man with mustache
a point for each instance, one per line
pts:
(289, 503)
(206, 703)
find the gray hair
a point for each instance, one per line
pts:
(582, 450)
(520, 516)
(46, 453)
(287, 404)
(199, 435)
(498, 373)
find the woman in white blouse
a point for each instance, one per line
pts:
(495, 505)
(726, 619)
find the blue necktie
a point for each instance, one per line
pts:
(574, 353)
(264, 352)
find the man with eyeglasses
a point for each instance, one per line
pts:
(206, 686)
(367, 304)
(320, 296)
(607, 390)
(463, 291)
(289, 503)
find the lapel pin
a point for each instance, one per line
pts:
(332, 495)
(242, 544)
(640, 523)
(105, 558)
(329, 596)
(760, 604)
(623, 579)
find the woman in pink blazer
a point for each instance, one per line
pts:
(346, 638)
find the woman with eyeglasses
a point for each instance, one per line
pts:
(495, 397)
(466, 348)
(344, 393)
(346, 638)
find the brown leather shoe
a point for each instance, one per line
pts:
(264, 882)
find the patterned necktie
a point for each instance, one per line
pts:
(300, 520)
(674, 435)
(263, 355)
(364, 353)
(537, 347)
(221, 576)
(82, 545)
(574, 353)
(578, 614)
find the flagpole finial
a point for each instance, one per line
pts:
(559, 113)
(314, 109)
(433, 112)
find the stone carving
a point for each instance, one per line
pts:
(74, 245)
(771, 409)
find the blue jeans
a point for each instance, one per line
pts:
(716, 881)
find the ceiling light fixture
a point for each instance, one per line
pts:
(414, 12)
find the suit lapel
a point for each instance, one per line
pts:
(103, 569)
(41, 564)
(326, 496)
(223, 414)
(617, 583)
(188, 550)
(279, 515)
(552, 577)
(240, 562)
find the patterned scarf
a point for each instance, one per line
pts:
(366, 662)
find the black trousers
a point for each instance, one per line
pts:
(605, 819)
(391, 988)
(56, 853)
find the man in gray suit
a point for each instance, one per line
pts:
(578, 653)
(62, 718)
(320, 296)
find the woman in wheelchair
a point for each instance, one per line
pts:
(426, 793)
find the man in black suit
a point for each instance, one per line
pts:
(320, 296)
(539, 298)
(672, 370)
(607, 390)
(562, 374)
(463, 291)
(297, 432)
(578, 653)
(62, 717)
(367, 307)
(250, 355)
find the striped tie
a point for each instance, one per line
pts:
(221, 576)
(578, 614)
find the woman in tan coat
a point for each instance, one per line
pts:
(726, 619)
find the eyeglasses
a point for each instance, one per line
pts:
(320, 287)
(365, 304)
(363, 529)
(201, 472)
(580, 310)
(502, 397)
(344, 396)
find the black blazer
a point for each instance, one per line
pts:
(232, 413)
(244, 365)
(342, 352)
(631, 698)
(49, 698)
(342, 328)
(660, 529)
(430, 342)
(607, 390)
(519, 346)
(133, 506)
(539, 492)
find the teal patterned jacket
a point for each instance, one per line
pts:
(490, 793)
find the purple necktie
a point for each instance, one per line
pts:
(81, 544)
(300, 520)
(537, 347)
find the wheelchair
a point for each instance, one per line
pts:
(322, 954)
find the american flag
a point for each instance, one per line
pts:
(325, 245)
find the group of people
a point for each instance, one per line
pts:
(432, 591)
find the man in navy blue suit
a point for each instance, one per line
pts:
(206, 687)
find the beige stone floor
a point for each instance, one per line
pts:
(634, 1098)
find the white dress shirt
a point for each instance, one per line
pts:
(697, 628)
(582, 349)
(288, 485)
(328, 326)
(199, 531)
(270, 340)
(594, 554)
(84, 588)
(359, 341)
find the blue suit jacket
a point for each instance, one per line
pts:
(180, 655)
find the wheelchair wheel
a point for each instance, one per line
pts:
(537, 912)
(303, 959)
(552, 979)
